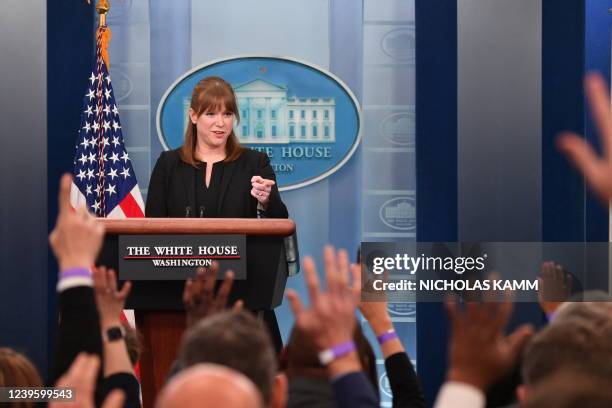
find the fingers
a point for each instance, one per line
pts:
(64, 193)
(586, 160)
(261, 188)
(111, 280)
(90, 370)
(188, 292)
(224, 290)
(115, 399)
(125, 290)
(356, 274)
(331, 274)
(209, 283)
(599, 101)
(343, 268)
(518, 339)
(238, 305)
(261, 180)
(311, 278)
(295, 303)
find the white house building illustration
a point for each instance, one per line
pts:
(269, 115)
(402, 211)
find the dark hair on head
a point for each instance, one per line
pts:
(211, 94)
(301, 359)
(236, 340)
(578, 344)
(133, 342)
(18, 372)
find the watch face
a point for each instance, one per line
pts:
(114, 333)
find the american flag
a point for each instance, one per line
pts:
(103, 178)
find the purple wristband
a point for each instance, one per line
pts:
(329, 355)
(343, 349)
(75, 272)
(385, 337)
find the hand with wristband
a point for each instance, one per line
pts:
(377, 315)
(405, 385)
(330, 320)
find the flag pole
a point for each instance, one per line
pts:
(102, 7)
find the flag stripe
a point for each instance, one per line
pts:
(130, 207)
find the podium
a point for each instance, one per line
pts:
(158, 305)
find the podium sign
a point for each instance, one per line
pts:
(176, 257)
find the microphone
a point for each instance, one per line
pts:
(201, 211)
(188, 212)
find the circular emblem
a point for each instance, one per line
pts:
(399, 44)
(399, 213)
(303, 117)
(385, 387)
(402, 309)
(399, 128)
(122, 84)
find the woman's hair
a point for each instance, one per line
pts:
(133, 342)
(211, 94)
(17, 371)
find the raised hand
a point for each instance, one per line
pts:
(261, 189)
(597, 170)
(77, 236)
(330, 320)
(480, 353)
(81, 378)
(199, 297)
(110, 301)
(555, 287)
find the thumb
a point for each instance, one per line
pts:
(519, 338)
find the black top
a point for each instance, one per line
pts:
(207, 198)
(405, 385)
(172, 193)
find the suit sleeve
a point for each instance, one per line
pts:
(354, 391)
(276, 207)
(156, 195)
(78, 329)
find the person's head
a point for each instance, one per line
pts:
(209, 385)
(238, 341)
(577, 345)
(17, 371)
(565, 389)
(212, 113)
(595, 306)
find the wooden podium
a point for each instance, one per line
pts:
(158, 304)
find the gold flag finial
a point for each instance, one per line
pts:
(104, 32)
(102, 8)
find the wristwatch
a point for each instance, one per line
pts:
(113, 333)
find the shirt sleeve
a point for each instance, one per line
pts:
(459, 395)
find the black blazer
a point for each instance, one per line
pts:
(171, 188)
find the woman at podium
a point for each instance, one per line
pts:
(211, 175)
